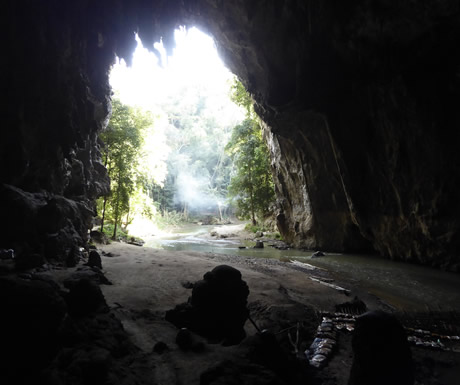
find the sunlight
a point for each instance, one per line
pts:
(195, 62)
(193, 117)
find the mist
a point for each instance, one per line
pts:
(194, 193)
(190, 97)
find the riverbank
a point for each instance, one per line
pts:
(148, 282)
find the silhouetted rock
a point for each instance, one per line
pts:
(184, 339)
(98, 237)
(85, 297)
(29, 261)
(352, 307)
(92, 364)
(187, 284)
(136, 241)
(317, 254)
(86, 272)
(259, 245)
(217, 308)
(31, 315)
(94, 259)
(160, 347)
(239, 373)
(381, 352)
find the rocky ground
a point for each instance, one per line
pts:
(126, 339)
(148, 282)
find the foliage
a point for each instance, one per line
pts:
(169, 218)
(251, 184)
(241, 97)
(123, 141)
(198, 166)
(253, 228)
(109, 229)
(267, 230)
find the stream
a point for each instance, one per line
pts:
(403, 286)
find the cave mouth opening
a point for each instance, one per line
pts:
(186, 94)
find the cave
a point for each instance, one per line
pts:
(359, 102)
(359, 99)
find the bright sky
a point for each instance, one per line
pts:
(194, 62)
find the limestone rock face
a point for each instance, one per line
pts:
(359, 99)
(58, 100)
(313, 210)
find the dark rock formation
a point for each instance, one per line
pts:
(58, 100)
(31, 315)
(94, 259)
(93, 274)
(217, 308)
(360, 103)
(98, 237)
(48, 340)
(381, 351)
(259, 245)
(239, 373)
(160, 347)
(356, 306)
(84, 298)
(318, 254)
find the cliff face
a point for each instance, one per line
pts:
(58, 98)
(359, 99)
(361, 103)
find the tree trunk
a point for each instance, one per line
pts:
(103, 214)
(185, 211)
(114, 235)
(220, 212)
(117, 206)
(251, 198)
(127, 217)
(105, 198)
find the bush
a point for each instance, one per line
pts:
(121, 235)
(169, 218)
(266, 230)
(254, 228)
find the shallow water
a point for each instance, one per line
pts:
(401, 285)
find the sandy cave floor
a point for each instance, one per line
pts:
(148, 282)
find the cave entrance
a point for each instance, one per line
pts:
(177, 109)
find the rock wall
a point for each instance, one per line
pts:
(57, 100)
(360, 101)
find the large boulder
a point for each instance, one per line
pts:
(31, 315)
(217, 308)
(85, 297)
(382, 354)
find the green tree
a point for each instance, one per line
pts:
(198, 166)
(121, 152)
(251, 185)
